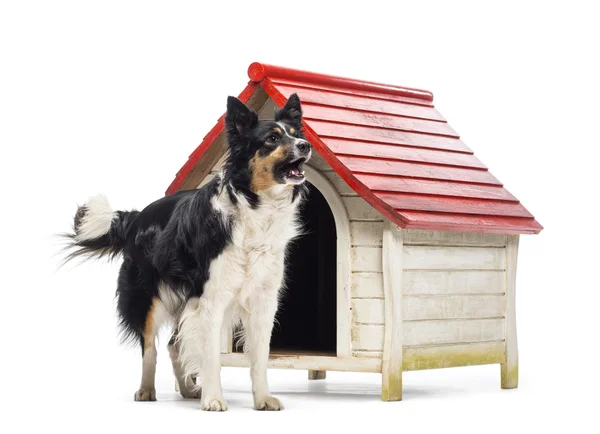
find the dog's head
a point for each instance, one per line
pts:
(263, 154)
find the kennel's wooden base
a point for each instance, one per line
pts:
(412, 360)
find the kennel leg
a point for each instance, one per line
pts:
(509, 370)
(391, 386)
(317, 375)
(391, 368)
(509, 376)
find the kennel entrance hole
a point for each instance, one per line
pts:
(306, 319)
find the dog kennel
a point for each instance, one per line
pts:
(410, 256)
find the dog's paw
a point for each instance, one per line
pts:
(191, 394)
(268, 403)
(213, 404)
(188, 389)
(145, 395)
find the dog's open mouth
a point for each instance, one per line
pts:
(295, 170)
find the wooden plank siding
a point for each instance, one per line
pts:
(431, 307)
(453, 304)
(435, 332)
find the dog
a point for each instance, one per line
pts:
(208, 258)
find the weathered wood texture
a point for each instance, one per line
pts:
(368, 234)
(431, 332)
(445, 356)
(453, 298)
(393, 313)
(449, 356)
(441, 238)
(317, 375)
(318, 363)
(366, 259)
(319, 163)
(454, 258)
(431, 307)
(510, 365)
(431, 282)
(447, 282)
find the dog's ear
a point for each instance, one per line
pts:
(239, 119)
(291, 113)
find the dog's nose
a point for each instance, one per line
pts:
(303, 146)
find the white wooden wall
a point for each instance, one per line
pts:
(454, 301)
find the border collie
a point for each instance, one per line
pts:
(208, 258)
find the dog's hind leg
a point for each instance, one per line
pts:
(186, 383)
(147, 392)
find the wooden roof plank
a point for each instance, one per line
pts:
(420, 140)
(380, 183)
(403, 153)
(417, 202)
(356, 102)
(471, 223)
(377, 120)
(347, 91)
(415, 170)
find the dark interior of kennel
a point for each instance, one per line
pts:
(306, 319)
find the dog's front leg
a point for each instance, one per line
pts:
(258, 325)
(200, 333)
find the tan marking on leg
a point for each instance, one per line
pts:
(150, 326)
(147, 392)
(262, 169)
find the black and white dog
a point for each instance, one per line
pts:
(208, 258)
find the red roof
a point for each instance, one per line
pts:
(393, 148)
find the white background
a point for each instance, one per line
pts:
(113, 96)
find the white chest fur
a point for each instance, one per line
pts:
(253, 264)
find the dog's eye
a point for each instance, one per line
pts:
(272, 138)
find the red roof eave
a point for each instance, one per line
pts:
(260, 71)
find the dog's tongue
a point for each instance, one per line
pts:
(295, 172)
